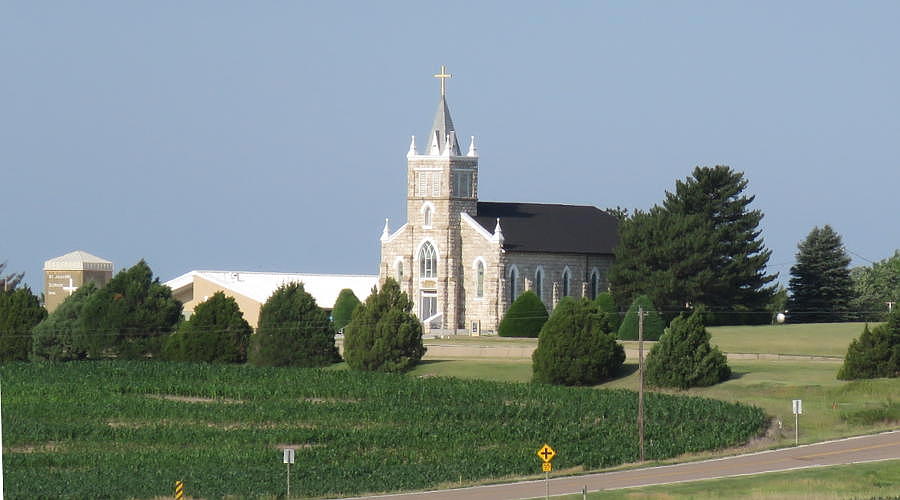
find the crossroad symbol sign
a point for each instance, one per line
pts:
(546, 467)
(546, 453)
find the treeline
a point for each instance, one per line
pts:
(702, 246)
(135, 316)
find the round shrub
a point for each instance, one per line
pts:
(293, 330)
(684, 358)
(876, 353)
(384, 335)
(606, 304)
(344, 306)
(576, 347)
(654, 325)
(524, 318)
(216, 333)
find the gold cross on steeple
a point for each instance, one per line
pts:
(443, 75)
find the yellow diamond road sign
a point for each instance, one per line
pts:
(546, 453)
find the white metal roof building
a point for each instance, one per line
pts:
(252, 289)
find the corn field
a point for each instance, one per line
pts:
(131, 429)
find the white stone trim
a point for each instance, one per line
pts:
(396, 233)
(476, 226)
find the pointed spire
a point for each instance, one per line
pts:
(412, 147)
(498, 233)
(442, 127)
(386, 233)
(473, 151)
(445, 151)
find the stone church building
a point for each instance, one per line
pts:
(463, 261)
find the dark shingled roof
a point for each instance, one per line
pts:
(539, 227)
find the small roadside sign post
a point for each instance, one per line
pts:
(546, 454)
(288, 459)
(798, 410)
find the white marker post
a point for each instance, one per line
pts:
(288, 459)
(798, 410)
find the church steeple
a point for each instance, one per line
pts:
(442, 130)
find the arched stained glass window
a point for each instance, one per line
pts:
(513, 283)
(539, 283)
(565, 283)
(427, 261)
(427, 217)
(399, 273)
(594, 284)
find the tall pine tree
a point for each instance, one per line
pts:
(701, 247)
(820, 284)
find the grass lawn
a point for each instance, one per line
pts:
(822, 339)
(816, 339)
(871, 480)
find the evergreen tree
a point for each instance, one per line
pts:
(20, 311)
(701, 247)
(654, 325)
(346, 303)
(293, 331)
(876, 353)
(55, 337)
(875, 286)
(605, 303)
(524, 318)
(683, 356)
(384, 335)
(216, 333)
(820, 283)
(10, 281)
(129, 317)
(576, 346)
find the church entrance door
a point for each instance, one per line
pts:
(428, 305)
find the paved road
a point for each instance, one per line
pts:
(845, 451)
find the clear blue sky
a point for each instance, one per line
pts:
(272, 135)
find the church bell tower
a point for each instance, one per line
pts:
(442, 183)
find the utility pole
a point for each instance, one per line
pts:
(640, 417)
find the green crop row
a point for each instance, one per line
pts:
(130, 429)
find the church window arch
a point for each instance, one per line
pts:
(566, 278)
(427, 261)
(427, 214)
(513, 279)
(595, 283)
(479, 277)
(539, 282)
(398, 270)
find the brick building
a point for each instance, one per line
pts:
(463, 261)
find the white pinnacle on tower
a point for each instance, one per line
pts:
(473, 151)
(386, 233)
(412, 147)
(498, 233)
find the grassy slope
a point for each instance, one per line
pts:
(823, 339)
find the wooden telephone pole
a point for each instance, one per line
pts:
(640, 417)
